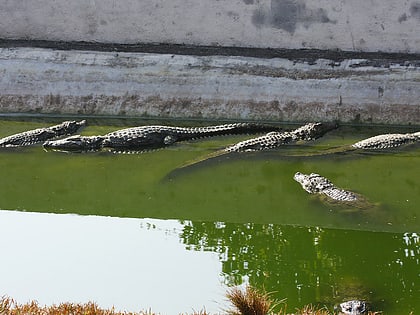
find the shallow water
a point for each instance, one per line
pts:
(247, 211)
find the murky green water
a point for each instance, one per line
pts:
(247, 209)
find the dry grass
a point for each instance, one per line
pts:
(250, 302)
(310, 310)
(245, 302)
(253, 302)
(9, 306)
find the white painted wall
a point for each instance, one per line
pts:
(355, 25)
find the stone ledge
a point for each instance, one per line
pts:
(45, 80)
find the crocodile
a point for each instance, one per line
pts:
(375, 143)
(387, 141)
(41, 135)
(353, 307)
(271, 140)
(274, 139)
(146, 138)
(316, 184)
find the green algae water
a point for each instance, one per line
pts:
(246, 210)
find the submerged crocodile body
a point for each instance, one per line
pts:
(316, 184)
(376, 143)
(41, 135)
(145, 138)
(271, 140)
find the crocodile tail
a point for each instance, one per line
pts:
(252, 128)
(203, 159)
(232, 129)
(213, 157)
(417, 135)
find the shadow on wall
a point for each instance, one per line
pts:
(288, 14)
(414, 12)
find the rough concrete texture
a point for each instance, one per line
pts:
(219, 87)
(354, 25)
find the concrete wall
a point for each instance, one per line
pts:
(355, 25)
(353, 87)
(217, 87)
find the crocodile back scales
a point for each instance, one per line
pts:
(387, 141)
(272, 140)
(317, 184)
(41, 134)
(145, 138)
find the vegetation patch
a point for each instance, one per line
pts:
(249, 301)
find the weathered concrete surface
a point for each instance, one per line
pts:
(353, 25)
(220, 87)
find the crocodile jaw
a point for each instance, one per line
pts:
(354, 307)
(75, 143)
(312, 183)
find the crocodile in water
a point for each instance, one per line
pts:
(271, 140)
(316, 184)
(145, 138)
(42, 134)
(353, 307)
(387, 141)
(376, 143)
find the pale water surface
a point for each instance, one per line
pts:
(131, 264)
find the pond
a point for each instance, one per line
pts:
(175, 239)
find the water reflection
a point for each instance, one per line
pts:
(133, 264)
(177, 266)
(315, 265)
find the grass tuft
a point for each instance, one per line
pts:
(250, 302)
(311, 310)
(246, 302)
(9, 306)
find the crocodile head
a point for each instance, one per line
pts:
(312, 183)
(69, 127)
(353, 307)
(75, 143)
(313, 131)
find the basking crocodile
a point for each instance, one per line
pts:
(353, 307)
(387, 141)
(376, 143)
(316, 184)
(145, 138)
(42, 134)
(271, 140)
(310, 131)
